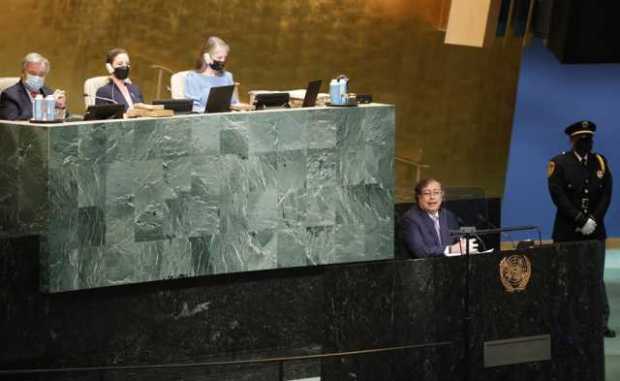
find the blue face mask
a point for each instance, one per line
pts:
(34, 82)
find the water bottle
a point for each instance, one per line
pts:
(37, 107)
(344, 89)
(334, 92)
(50, 107)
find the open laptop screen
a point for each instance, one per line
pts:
(311, 93)
(219, 99)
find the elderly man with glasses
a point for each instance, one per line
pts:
(16, 101)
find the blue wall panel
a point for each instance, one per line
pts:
(551, 96)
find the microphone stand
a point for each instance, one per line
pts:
(467, 233)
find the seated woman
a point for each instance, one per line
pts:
(119, 90)
(209, 72)
(425, 228)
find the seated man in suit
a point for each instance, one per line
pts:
(424, 229)
(16, 101)
(119, 90)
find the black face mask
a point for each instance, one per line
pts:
(217, 65)
(121, 72)
(583, 146)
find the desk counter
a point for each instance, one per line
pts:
(128, 201)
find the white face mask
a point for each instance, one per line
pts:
(34, 82)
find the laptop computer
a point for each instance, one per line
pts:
(105, 111)
(312, 91)
(272, 100)
(179, 106)
(219, 99)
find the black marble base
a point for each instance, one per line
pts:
(324, 309)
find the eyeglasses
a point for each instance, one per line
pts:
(436, 193)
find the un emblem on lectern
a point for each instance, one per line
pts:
(515, 272)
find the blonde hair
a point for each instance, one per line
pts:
(210, 46)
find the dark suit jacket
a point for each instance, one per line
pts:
(418, 237)
(111, 91)
(15, 104)
(570, 182)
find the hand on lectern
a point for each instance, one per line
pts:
(473, 246)
(461, 246)
(455, 249)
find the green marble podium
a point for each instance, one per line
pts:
(129, 201)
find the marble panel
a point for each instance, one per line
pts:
(141, 200)
(201, 254)
(119, 144)
(176, 259)
(321, 168)
(321, 205)
(9, 170)
(91, 226)
(205, 136)
(291, 170)
(235, 141)
(91, 183)
(291, 248)
(32, 176)
(92, 142)
(261, 132)
(291, 132)
(322, 128)
(291, 206)
(320, 244)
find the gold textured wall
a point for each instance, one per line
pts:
(454, 104)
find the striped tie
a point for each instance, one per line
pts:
(436, 222)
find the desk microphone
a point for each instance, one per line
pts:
(470, 230)
(507, 235)
(102, 98)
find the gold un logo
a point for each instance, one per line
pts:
(515, 272)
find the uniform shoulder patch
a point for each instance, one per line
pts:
(550, 168)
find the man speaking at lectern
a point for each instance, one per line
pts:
(425, 228)
(580, 186)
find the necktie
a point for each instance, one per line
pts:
(436, 223)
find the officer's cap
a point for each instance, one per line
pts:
(580, 128)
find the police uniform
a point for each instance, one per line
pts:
(581, 189)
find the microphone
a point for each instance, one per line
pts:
(102, 98)
(491, 225)
(471, 230)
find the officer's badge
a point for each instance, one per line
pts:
(550, 168)
(585, 124)
(599, 174)
(515, 272)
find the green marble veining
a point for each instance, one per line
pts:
(131, 201)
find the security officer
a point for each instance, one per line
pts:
(580, 186)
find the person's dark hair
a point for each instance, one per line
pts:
(112, 53)
(423, 184)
